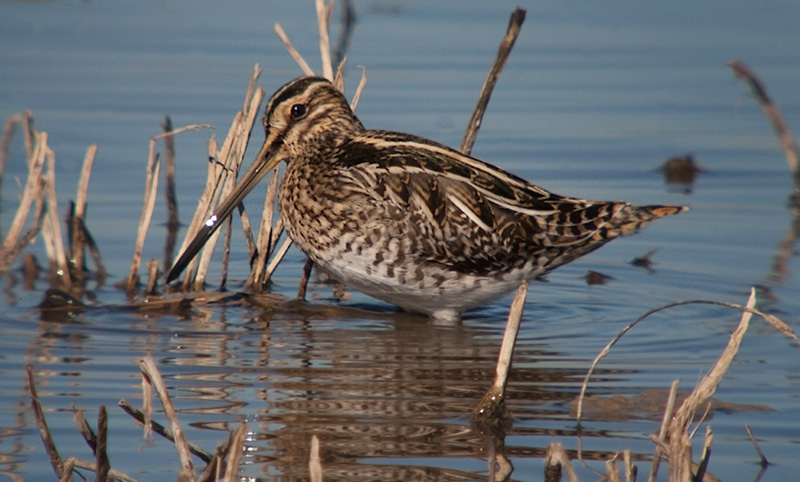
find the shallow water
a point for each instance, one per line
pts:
(593, 100)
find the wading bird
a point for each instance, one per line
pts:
(410, 221)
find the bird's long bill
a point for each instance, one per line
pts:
(265, 161)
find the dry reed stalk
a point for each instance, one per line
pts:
(492, 402)
(69, 466)
(230, 156)
(90, 465)
(345, 31)
(51, 230)
(78, 233)
(220, 181)
(359, 89)
(152, 276)
(772, 320)
(5, 141)
(151, 184)
(28, 133)
(762, 458)
(324, 11)
(265, 244)
(338, 78)
(152, 425)
(41, 423)
(314, 461)
(556, 459)
(772, 113)
(7, 257)
(169, 193)
(680, 456)
(612, 470)
(31, 192)
(292, 51)
(150, 370)
(514, 25)
(662, 433)
(214, 175)
(103, 465)
(235, 450)
(277, 259)
(630, 470)
(148, 204)
(84, 429)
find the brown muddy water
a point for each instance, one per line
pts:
(594, 99)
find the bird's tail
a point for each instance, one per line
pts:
(630, 219)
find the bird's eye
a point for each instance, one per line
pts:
(298, 111)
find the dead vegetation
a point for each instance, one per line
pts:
(69, 272)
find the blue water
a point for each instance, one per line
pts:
(594, 98)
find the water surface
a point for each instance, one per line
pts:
(594, 98)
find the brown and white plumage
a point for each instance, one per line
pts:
(411, 221)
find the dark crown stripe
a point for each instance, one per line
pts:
(292, 89)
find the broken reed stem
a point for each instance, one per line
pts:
(151, 184)
(148, 204)
(77, 227)
(41, 423)
(103, 465)
(662, 433)
(83, 182)
(314, 461)
(265, 245)
(170, 196)
(772, 320)
(514, 25)
(491, 405)
(345, 31)
(772, 113)
(31, 192)
(359, 89)
(52, 226)
(293, 51)
(204, 204)
(510, 337)
(680, 457)
(235, 450)
(761, 456)
(5, 141)
(150, 370)
(220, 181)
(276, 259)
(556, 459)
(324, 11)
(338, 78)
(161, 430)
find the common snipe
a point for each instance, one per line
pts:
(410, 221)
